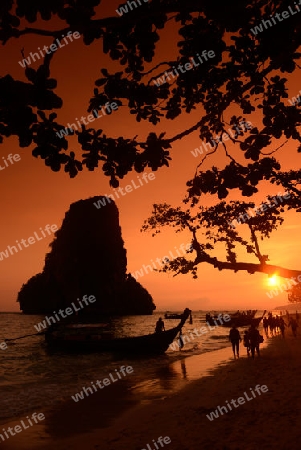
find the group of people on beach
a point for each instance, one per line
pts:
(252, 340)
(274, 324)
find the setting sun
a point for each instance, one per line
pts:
(273, 280)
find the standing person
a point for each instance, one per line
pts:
(254, 338)
(234, 338)
(294, 327)
(160, 326)
(274, 322)
(181, 343)
(271, 323)
(247, 342)
(277, 324)
(282, 326)
(266, 326)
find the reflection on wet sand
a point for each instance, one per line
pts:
(174, 376)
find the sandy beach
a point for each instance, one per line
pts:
(119, 422)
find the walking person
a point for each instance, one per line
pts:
(274, 322)
(294, 326)
(235, 339)
(277, 323)
(255, 339)
(282, 326)
(247, 342)
(271, 323)
(266, 326)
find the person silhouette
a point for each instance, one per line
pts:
(234, 338)
(247, 342)
(254, 338)
(159, 326)
(294, 325)
(282, 326)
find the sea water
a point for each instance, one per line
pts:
(32, 377)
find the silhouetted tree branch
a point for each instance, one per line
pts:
(245, 78)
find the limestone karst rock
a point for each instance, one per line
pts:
(87, 257)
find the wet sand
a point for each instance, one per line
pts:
(122, 417)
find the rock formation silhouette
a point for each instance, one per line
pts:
(87, 257)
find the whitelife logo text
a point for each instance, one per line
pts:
(53, 48)
(18, 428)
(31, 240)
(106, 382)
(203, 330)
(68, 311)
(124, 8)
(241, 401)
(240, 129)
(161, 262)
(109, 107)
(128, 188)
(184, 68)
(11, 158)
(285, 15)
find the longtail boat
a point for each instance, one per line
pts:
(239, 319)
(172, 316)
(91, 337)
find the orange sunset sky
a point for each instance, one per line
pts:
(33, 196)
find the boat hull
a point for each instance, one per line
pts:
(239, 321)
(173, 316)
(90, 338)
(156, 343)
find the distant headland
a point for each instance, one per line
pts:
(290, 307)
